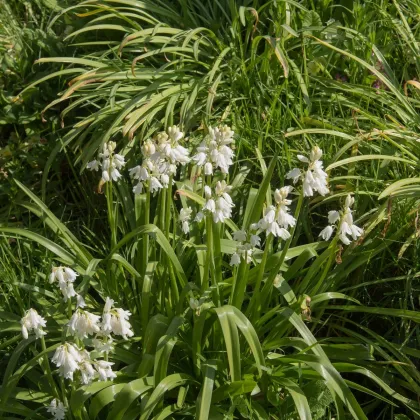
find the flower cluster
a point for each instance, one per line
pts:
(246, 247)
(161, 157)
(215, 151)
(83, 323)
(69, 359)
(57, 409)
(109, 161)
(314, 178)
(219, 204)
(184, 219)
(343, 222)
(277, 219)
(32, 321)
(66, 277)
(115, 320)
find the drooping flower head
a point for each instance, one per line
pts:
(219, 203)
(115, 320)
(245, 248)
(104, 370)
(57, 409)
(184, 219)
(161, 157)
(65, 277)
(215, 151)
(109, 162)
(277, 219)
(32, 321)
(314, 178)
(83, 323)
(344, 222)
(67, 358)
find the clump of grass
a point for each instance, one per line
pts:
(311, 328)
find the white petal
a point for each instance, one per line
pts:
(333, 216)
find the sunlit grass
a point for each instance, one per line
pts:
(314, 329)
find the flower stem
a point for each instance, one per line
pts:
(333, 247)
(168, 208)
(270, 280)
(145, 248)
(216, 252)
(47, 368)
(209, 247)
(111, 216)
(255, 300)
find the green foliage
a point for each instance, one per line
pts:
(312, 329)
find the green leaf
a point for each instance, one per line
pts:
(168, 383)
(205, 396)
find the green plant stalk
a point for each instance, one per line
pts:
(63, 392)
(261, 269)
(162, 215)
(47, 368)
(111, 216)
(209, 246)
(217, 261)
(269, 283)
(167, 207)
(239, 284)
(69, 309)
(333, 247)
(145, 248)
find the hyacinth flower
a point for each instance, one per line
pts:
(185, 218)
(83, 323)
(314, 177)
(65, 277)
(32, 321)
(277, 219)
(219, 203)
(246, 247)
(115, 320)
(215, 152)
(70, 359)
(57, 409)
(109, 162)
(161, 157)
(343, 222)
(67, 358)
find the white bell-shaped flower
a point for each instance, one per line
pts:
(65, 277)
(326, 233)
(115, 320)
(215, 151)
(57, 410)
(255, 240)
(32, 321)
(184, 219)
(86, 368)
(67, 358)
(109, 162)
(104, 370)
(83, 323)
(235, 259)
(343, 222)
(314, 178)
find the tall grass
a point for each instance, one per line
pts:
(313, 329)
